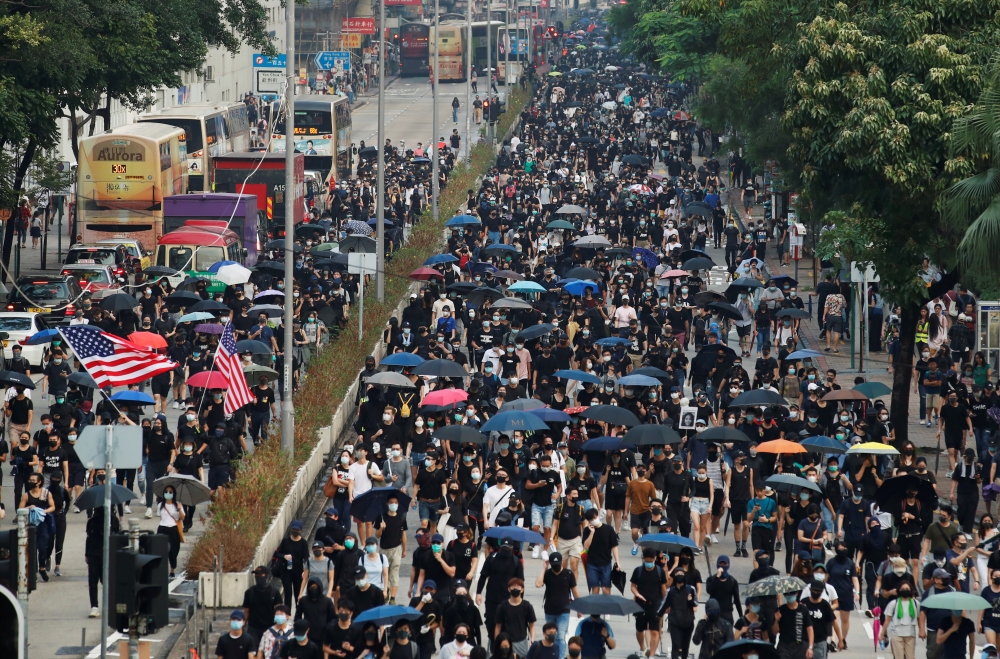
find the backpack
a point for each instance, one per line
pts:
(404, 408)
(279, 641)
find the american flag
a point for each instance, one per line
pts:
(113, 361)
(227, 360)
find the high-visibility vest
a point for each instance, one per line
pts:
(923, 332)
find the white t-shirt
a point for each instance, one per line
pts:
(495, 500)
(359, 474)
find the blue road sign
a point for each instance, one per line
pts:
(266, 61)
(329, 60)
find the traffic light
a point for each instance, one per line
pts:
(8, 559)
(486, 110)
(140, 583)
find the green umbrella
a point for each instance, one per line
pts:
(581, 47)
(773, 586)
(257, 370)
(554, 74)
(956, 601)
(873, 389)
(560, 224)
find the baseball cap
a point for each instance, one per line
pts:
(237, 614)
(428, 583)
(941, 573)
(555, 558)
(301, 626)
(437, 537)
(296, 524)
(359, 572)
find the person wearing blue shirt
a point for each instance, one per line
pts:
(597, 635)
(762, 512)
(959, 555)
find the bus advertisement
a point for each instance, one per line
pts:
(322, 135)
(414, 49)
(123, 177)
(237, 212)
(451, 52)
(211, 130)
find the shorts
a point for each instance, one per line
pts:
(742, 331)
(640, 521)
(77, 475)
(699, 505)
(956, 442)
(161, 388)
(647, 619)
(417, 459)
(738, 512)
(570, 548)
(909, 545)
(835, 324)
(717, 501)
(599, 576)
(218, 476)
(845, 600)
(428, 510)
(541, 516)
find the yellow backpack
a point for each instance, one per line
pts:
(404, 409)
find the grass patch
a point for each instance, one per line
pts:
(243, 515)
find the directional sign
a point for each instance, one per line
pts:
(269, 81)
(269, 62)
(126, 447)
(334, 60)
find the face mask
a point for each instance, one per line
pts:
(435, 548)
(804, 496)
(574, 653)
(236, 625)
(791, 598)
(349, 543)
(702, 476)
(344, 616)
(168, 495)
(428, 463)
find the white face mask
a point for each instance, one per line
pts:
(387, 418)
(419, 423)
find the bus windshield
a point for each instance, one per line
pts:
(192, 128)
(309, 122)
(178, 257)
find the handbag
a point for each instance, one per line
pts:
(817, 553)
(617, 487)
(329, 489)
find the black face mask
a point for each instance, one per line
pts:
(461, 638)
(344, 616)
(764, 562)
(260, 581)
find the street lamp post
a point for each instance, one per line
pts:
(468, 91)
(434, 118)
(380, 200)
(287, 407)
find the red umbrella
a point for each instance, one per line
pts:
(208, 380)
(424, 274)
(148, 340)
(445, 397)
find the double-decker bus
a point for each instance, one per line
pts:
(322, 135)
(478, 49)
(212, 129)
(515, 38)
(123, 177)
(450, 43)
(414, 48)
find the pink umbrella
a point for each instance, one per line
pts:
(876, 623)
(673, 273)
(445, 397)
(639, 188)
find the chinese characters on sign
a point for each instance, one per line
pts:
(358, 26)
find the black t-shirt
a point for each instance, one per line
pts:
(463, 552)
(822, 616)
(600, 549)
(261, 602)
(264, 398)
(335, 637)
(648, 583)
(954, 419)
(392, 534)
(433, 570)
(235, 648)
(52, 459)
(570, 519)
(514, 619)
(543, 495)
(558, 589)
(19, 410)
(308, 651)
(793, 625)
(430, 483)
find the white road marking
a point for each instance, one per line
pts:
(870, 631)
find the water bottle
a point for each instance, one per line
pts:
(289, 565)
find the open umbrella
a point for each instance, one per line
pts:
(508, 274)
(374, 502)
(210, 306)
(774, 585)
(270, 310)
(480, 295)
(534, 331)
(739, 649)
(444, 368)
(526, 287)
(209, 328)
(188, 490)
(697, 209)
(792, 313)
(549, 415)
(460, 434)
(652, 434)
(445, 397)
(391, 379)
(780, 446)
(515, 533)
(579, 287)
(233, 274)
(160, 271)
(803, 354)
(585, 273)
(404, 359)
(790, 483)
(253, 346)
(514, 420)
(845, 394)
(462, 221)
(511, 303)
(579, 376)
(651, 371)
(358, 243)
(560, 225)
(388, 614)
(522, 404)
(256, 370)
(725, 310)
(613, 414)
(666, 542)
(605, 605)
(606, 444)
(872, 448)
(424, 273)
(873, 389)
(183, 298)
(195, 317)
(41, 337)
(15, 379)
(823, 444)
(638, 381)
(119, 302)
(136, 397)
(93, 497)
(747, 282)
(757, 397)
(592, 241)
(890, 495)
(208, 380)
(956, 601)
(613, 342)
(80, 378)
(723, 435)
(148, 340)
(441, 258)
(700, 263)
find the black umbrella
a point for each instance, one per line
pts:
(792, 313)
(460, 434)
(652, 434)
(368, 152)
(84, 380)
(159, 271)
(119, 302)
(708, 355)
(747, 282)
(309, 230)
(705, 298)
(651, 371)
(253, 346)
(694, 209)
(635, 160)
(327, 316)
(358, 243)
(606, 605)
(689, 254)
(15, 379)
(613, 414)
(725, 310)
(271, 267)
(700, 263)
(461, 287)
(93, 497)
(191, 283)
(583, 273)
(739, 649)
(618, 251)
(279, 244)
(477, 297)
(892, 492)
(210, 306)
(589, 140)
(757, 397)
(444, 368)
(536, 331)
(723, 435)
(183, 298)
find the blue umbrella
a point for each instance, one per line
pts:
(638, 381)
(803, 354)
(668, 542)
(823, 444)
(462, 220)
(45, 336)
(440, 258)
(605, 444)
(579, 376)
(195, 317)
(578, 286)
(482, 267)
(613, 342)
(375, 502)
(402, 359)
(526, 287)
(549, 415)
(388, 614)
(510, 421)
(219, 264)
(515, 533)
(133, 397)
(659, 113)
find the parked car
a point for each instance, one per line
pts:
(115, 255)
(53, 297)
(19, 326)
(99, 280)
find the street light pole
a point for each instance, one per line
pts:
(287, 407)
(434, 119)
(471, 50)
(489, 70)
(380, 199)
(506, 50)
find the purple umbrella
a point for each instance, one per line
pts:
(209, 328)
(268, 292)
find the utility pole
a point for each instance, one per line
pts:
(489, 70)
(506, 50)
(434, 119)
(287, 407)
(109, 439)
(380, 199)
(23, 565)
(133, 622)
(471, 50)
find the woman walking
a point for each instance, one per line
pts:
(454, 109)
(170, 514)
(901, 623)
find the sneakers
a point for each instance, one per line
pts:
(948, 474)
(76, 510)
(715, 540)
(545, 555)
(928, 423)
(535, 551)
(127, 509)
(777, 546)
(44, 575)
(869, 614)
(94, 612)
(57, 572)
(149, 513)
(635, 549)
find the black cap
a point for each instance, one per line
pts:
(301, 626)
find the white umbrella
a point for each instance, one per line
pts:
(611, 68)
(609, 105)
(593, 241)
(232, 275)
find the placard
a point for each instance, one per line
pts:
(688, 417)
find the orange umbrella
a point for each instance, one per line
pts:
(781, 446)
(148, 340)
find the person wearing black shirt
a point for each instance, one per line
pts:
(431, 618)
(461, 612)
(794, 622)
(262, 410)
(498, 569)
(516, 617)
(723, 587)
(317, 609)
(294, 551)
(465, 552)
(601, 543)
(822, 614)
(678, 484)
(237, 644)
(559, 584)
(259, 601)
(341, 636)
(302, 645)
(679, 605)
(439, 566)
(364, 595)
(649, 587)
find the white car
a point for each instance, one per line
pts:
(19, 325)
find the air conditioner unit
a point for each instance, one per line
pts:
(209, 74)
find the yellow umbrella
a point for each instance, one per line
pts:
(554, 74)
(877, 448)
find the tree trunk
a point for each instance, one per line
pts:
(902, 376)
(10, 230)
